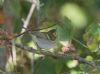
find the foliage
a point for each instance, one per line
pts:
(60, 37)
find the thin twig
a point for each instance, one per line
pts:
(38, 29)
(26, 22)
(80, 43)
(59, 56)
(2, 71)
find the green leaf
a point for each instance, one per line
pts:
(45, 66)
(92, 37)
(26, 39)
(65, 31)
(15, 7)
(58, 66)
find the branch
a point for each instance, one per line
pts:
(80, 43)
(26, 22)
(57, 55)
(38, 29)
(2, 71)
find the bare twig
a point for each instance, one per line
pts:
(38, 29)
(26, 22)
(57, 55)
(80, 43)
(2, 71)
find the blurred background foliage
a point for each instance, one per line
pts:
(70, 27)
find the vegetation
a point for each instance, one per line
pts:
(50, 36)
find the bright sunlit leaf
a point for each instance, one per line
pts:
(75, 14)
(92, 37)
(89, 58)
(72, 63)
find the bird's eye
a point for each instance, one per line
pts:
(52, 35)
